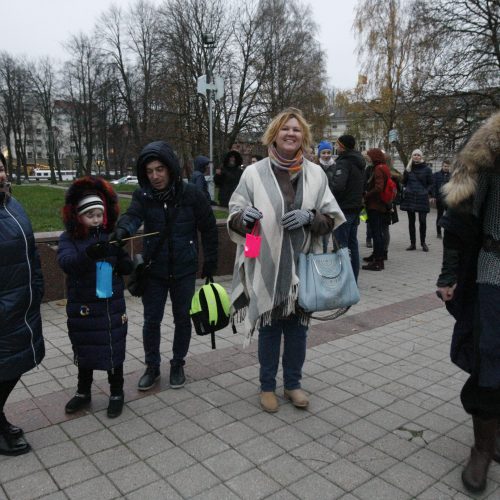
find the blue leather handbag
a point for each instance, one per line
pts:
(327, 282)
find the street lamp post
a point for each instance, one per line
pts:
(209, 44)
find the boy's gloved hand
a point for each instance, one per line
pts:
(98, 251)
(297, 218)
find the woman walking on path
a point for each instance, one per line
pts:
(289, 198)
(417, 181)
(21, 290)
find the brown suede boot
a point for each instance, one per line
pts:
(298, 397)
(475, 472)
(269, 401)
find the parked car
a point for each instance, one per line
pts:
(128, 179)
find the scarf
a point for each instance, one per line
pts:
(266, 288)
(165, 196)
(293, 166)
(326, 164)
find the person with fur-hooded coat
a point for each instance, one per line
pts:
(469, 283)
(97, 325)
(21, 290)
(228, 177)
(176, 212)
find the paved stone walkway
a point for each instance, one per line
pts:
(385, 420)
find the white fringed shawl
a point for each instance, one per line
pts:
(269, 283)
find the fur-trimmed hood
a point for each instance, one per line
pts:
(80, 188)
(482, 152)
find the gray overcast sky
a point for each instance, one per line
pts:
(38, 27)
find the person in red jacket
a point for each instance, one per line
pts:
(376, 208)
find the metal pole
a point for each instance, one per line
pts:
(211, 189)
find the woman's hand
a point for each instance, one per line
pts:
(297, 218)
(445, 293)
(251, 215)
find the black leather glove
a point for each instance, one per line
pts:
(98, 251)
(117, 236)
(209, 269)
(297, 218)
(124, 266)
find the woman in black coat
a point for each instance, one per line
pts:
(417, 181)
(21, 291)
(229, 176)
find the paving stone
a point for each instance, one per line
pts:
(204, 447)
(253, 485)
(212, 419)
(345, 474)
(235, 433)
(170, 461)
(314, 487)
(366, 431)
(395, 446)
(193, 480)
(59, 495)
(220, 397)
(159, 490)
(314, 455)
(74, 472)
(377, 488)
(81, 426)
(31, 486)
(430, 463)
(145, 406)
(314, 426)
(283, 495)
(58, 454)
(113, 458)
(99, 488)
(240, 409)
(160, 418)
(228, 464)
(407, 478)
(132, 477)
(372, 460)
(285, 469)
(46, 437)
(259, 449)
(288, 437)
(182, 431)
(219, 492)
(341, 443)
(97, 441)
(131, 429)
(387, 420)
(149, 445)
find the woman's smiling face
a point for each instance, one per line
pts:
(289, 139)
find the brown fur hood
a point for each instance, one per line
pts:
(482, 152)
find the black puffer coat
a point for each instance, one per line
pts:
(97, 327)
(21, 291)
(178, 256)
(417, 185)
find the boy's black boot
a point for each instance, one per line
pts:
(115, 405)
(177, 377)
(77, 402)
(13, 444)
(151, 375)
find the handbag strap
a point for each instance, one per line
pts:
(334, 315)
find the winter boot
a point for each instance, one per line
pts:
(412, 247)
(369, 258)
(115, 405)
(476, 471)
(375, 265)
(77, 402)
(425, 248)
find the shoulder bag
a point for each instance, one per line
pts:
(327, 283)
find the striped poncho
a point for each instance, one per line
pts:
(266, 288)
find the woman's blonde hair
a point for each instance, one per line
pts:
(280, 119)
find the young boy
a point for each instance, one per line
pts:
(97, 320)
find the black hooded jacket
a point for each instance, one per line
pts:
(188, 208)
(346, 180)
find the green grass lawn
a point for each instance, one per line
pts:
(43, 205)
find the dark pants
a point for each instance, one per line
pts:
(347, 236)
(154, 300)
(6, 387)
(386, 236)
(376, 223)
(115, 379)
(294, 352)
(440, 211)
(422, 223)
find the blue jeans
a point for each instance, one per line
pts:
(347, 236)
(294, 352)
(154, 300)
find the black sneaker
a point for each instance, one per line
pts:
(77, 402)
(115, 405)
(151, 375)
(177, 377)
